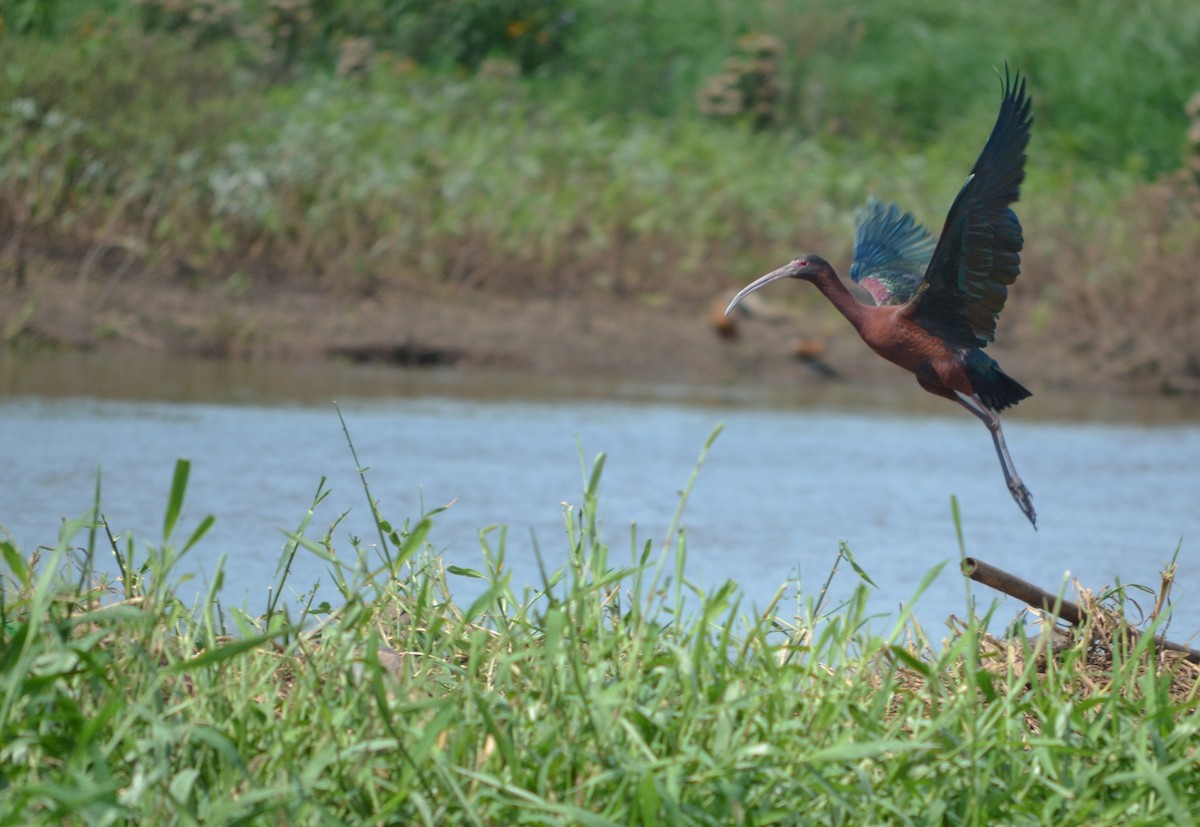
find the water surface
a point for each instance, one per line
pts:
(786, 482)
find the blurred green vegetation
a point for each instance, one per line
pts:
(1110, 81)
(614, 145)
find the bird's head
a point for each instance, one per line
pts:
(804, 267)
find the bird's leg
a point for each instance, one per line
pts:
(1017, 488)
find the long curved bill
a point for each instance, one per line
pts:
(775, 275)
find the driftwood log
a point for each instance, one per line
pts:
(1072, 613)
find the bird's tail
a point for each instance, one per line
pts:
(996, 388)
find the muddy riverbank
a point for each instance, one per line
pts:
(60, 305)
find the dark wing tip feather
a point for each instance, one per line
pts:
(979, 254)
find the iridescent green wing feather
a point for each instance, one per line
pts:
(891, 252)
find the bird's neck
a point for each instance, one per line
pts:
(831, 286)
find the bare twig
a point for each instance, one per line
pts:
(1164, 591)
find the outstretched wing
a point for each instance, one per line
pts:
(891, 252)
(978, 255)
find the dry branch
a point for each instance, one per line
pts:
(1038, 598)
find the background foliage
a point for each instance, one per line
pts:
(625, 147)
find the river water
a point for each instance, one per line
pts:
(794, 473)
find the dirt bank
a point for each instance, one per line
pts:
(59, 295)
(673, 340)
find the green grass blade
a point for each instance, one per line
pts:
(218, 654)
(175, 497)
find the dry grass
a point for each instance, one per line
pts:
(1124, 299)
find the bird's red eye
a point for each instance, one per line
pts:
(801, 262)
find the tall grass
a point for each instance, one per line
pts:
(612, 692)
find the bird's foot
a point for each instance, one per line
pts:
(1024, 500)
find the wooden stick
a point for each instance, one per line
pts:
(1030, 594)
(1014, 586)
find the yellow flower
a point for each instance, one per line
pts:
(516, 28)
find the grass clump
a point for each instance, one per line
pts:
(608, 694)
